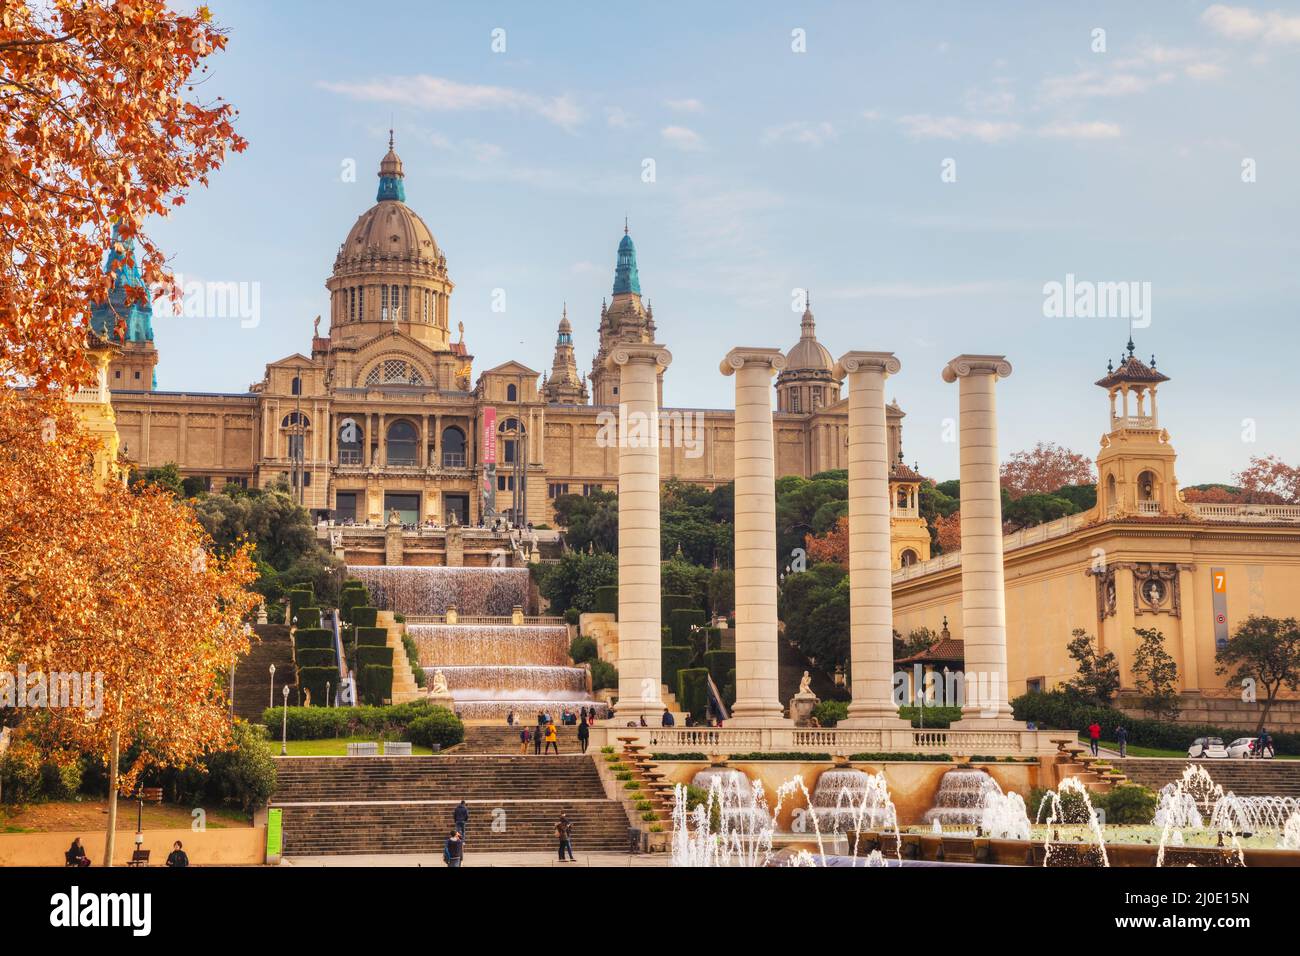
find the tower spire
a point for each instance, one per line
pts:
(391, 176)
(626, 278)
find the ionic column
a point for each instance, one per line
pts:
(639, 637)
(758, 701)
(871, 606)
(983, 592)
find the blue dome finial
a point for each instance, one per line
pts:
(105, 316)
(626, 279)
(391, 175)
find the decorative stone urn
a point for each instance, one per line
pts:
(261, 613)
(803, 703)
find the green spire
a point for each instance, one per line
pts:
(626, 278)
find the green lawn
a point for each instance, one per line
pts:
(333, 747)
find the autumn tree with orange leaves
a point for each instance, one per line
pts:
(100, 124)
(1270, 480)
(833, 546)
(119, 586)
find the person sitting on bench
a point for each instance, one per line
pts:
(76, 855)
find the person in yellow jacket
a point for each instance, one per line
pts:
(552, 738)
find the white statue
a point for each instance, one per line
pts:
(440, 684)
(805, 684)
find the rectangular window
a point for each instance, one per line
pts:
(557, 488)
(794, 400)
(361, 303)
(345, 506)
(588, 490)
(509, 451)
(383, 302)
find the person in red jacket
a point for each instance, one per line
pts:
(1094, 735)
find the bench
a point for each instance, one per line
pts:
(367, 749)
(397, 748)
(139, 858)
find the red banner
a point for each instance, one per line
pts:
(489, 436)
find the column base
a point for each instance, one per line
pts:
(753, 713)
(871, 715)
(1001, 717)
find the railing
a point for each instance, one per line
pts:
(349, 457)
(1133, 421)
(1148, 507)
(706, 739)
(1246, 513)
(837, 742)
(1010, 542)
(452, 459)
(89, 395)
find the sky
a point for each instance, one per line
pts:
(924, 170)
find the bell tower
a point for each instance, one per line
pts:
(1135, 466)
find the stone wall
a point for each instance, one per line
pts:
(1228, 713)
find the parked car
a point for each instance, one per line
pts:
(1207, 747)
(1246, 747)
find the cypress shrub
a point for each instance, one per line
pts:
(681, 620)
(374, 636)
(352, 596)
(316, 657)
(672, 660)
(308, 617)
(582, 649)
(364, 616)
(674, 602)
(300, 597)
(603, 674)
(317, 637)
(314, 679)
(720, 664)
(693, 691)
(607, 599)
(376, 684)
(368, 655)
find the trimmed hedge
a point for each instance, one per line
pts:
(693, 691)
(792, 755)
(314, 679)
(368, 655)
(438, 730)
(680, 621)
(373, 636)
(320, 723)
(672, 660)
(830, 712)
(353, 595)
(364, 616)
(904, 756)
(674, 602)
(720, 664)
(375, 684)
(317, 657)
(1063, 710)
(413, 656)
(300, 597)
(935, 717)
(315, 637)
(607, 599)
(308, 617)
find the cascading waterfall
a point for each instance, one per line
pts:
(427, 591)
(490, 669)
(961, 797)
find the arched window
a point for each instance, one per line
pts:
(908, 557)
(511, 429)
(295, 418)
(512, 393)
(350, 438)
(295, 387)
(453, 447)
(402, 442)
(394, 372)
(297, 423)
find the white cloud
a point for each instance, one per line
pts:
(1204, 71)
(804, 134)
(617, 118)
(443, 95)
(1091, 83)
(682, 137)
(685, 106)
(872, 115)
(920, 290)
(925, 126)
(1243, 23)
(1086, 130)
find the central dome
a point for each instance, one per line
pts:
(390, 230)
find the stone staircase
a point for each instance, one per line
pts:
(351, 805)
(1245, 778)
(500, 739)
(404, 686)
(270, 645)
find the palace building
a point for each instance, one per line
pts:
(384, 411)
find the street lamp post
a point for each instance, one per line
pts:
(284, 726)
(272, 703)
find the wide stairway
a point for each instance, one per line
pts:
(494, 739)
(351, 805)
(1245, 778)
(270, 645)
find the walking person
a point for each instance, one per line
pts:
(1121, 735)
(1094, 736)
(552, 739)
(453, 851)
(564, 836)
(461, 818)
(584, 734)
(667, 719)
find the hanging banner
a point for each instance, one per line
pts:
(489, 435)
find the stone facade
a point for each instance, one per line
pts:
(384, 411)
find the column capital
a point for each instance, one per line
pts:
(742, 355)
(884, 362)
(964, 365)
(640, 353)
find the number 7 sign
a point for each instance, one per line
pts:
(1220, 582)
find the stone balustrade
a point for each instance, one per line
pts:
(835, 741)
